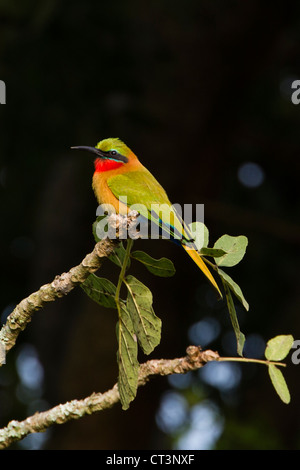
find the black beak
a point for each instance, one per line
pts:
(102, 154)
(89, 149)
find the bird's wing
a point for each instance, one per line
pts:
(138, 186)
(142, 192)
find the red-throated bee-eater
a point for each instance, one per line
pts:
(120, 175)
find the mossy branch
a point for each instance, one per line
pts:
(59, 287)
(17, 321)
(75, 409)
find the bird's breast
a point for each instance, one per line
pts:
(104, 194)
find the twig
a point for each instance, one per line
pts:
(60, 286)
(255, 361)
(75, 409)
(118, 289)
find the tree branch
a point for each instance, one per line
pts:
(75, 409)
(60, 286)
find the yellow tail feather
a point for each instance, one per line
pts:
(200, 263)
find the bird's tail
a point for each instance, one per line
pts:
(178, 231)
(200, 263)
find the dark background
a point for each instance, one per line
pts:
(197, 89)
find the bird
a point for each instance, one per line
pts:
(121, 181)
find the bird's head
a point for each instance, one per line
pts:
(112, 149)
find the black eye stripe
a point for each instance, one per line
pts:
(113, 153)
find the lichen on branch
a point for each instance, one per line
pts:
(59, 287)
(75, 409)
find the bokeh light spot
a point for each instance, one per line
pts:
(251, 175)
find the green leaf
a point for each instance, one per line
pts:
(200, 234)
(147, 325)
(240, 337)
(118, 256)
(279, 347)
(279, 383)
(214, 252)
(235, 288)
(127, 359)
(101, 290)
(160, 267)
(235, 248)
(94, 227)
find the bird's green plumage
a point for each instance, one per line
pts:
(141, 189)
(138, 186)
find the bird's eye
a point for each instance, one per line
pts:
(113, 153)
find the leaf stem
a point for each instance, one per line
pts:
(245, 359)
(213, 265)
(121, 279)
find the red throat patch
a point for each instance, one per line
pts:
(102, 164)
